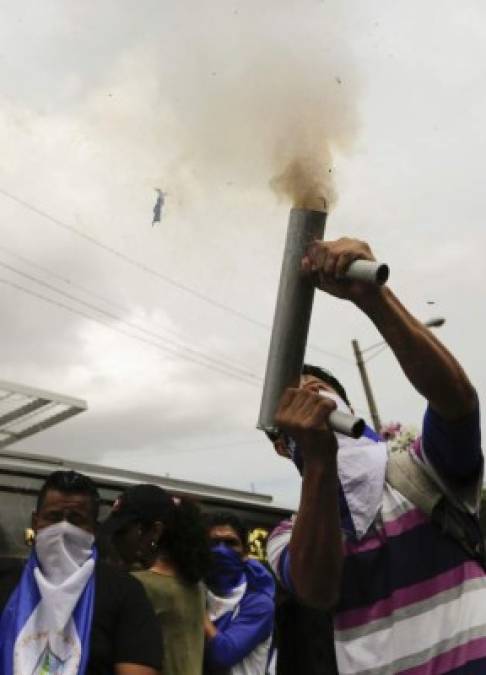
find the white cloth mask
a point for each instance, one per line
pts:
(62, 549)
(361, 469)
(66, 564)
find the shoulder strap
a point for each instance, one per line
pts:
(411, 480)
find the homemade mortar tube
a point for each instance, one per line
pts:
(291, 322)
(292, 314)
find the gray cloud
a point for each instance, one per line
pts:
(102, 104)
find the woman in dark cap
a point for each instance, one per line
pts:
(164, 538)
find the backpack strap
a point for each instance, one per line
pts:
(412, 481)
(408, 477)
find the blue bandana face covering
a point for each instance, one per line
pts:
(227, 570)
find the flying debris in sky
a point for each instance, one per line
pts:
(158, 206)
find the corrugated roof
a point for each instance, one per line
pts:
(25, 411)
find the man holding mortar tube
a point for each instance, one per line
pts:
(389, 544)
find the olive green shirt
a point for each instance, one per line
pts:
(180, 608)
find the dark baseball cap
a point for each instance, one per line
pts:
(141, 503)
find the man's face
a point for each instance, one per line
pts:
(58, 506)
(225, 534)
(133, 543)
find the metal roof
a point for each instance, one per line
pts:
(25, 411)
(42, 465)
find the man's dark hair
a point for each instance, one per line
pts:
(328, 378)
(70, 482)
(227, 518)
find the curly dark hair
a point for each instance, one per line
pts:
(185, 541)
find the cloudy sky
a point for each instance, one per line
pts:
(164, 330)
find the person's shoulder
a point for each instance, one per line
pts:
(159, 588)
(115, 581)
(11, 566)
(283, 527)
(257, 601)
(106, 571)
(10, 573)
(123, 611)
(163, 583)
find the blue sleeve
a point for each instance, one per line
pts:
(252, 625)
(453, 448)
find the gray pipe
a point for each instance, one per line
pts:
(346, 424)
(292, 314)
(291, 323)
(369, 271)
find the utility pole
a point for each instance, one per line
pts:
(435, 322)
(366, 386)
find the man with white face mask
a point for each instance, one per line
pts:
(69, 614)
(406, 588)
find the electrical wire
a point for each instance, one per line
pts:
(378, 351)
(375, 345)
(158, 346)
(150, 271)
(130, 324)
(108, 301)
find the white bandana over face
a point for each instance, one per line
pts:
(361, 470)
(62, 549)
(50, 642)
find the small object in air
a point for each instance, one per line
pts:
(158, 206)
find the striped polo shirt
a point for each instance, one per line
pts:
(412, 602)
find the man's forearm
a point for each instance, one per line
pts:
(134, 669)
(429, 366)
(316, 552)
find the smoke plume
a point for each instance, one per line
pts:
(305, 183)
(265, 107)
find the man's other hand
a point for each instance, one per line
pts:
(304, 415)
(328, 261)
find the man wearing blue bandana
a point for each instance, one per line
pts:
(66, 613)
(240, 603)
(389, 544)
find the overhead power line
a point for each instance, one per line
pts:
(109, 301)
(131, 261)
(110, 315)
(152, 343)
(150, 271)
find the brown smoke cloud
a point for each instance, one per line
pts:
(305, 183)
(319, 122)
(267, 98)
